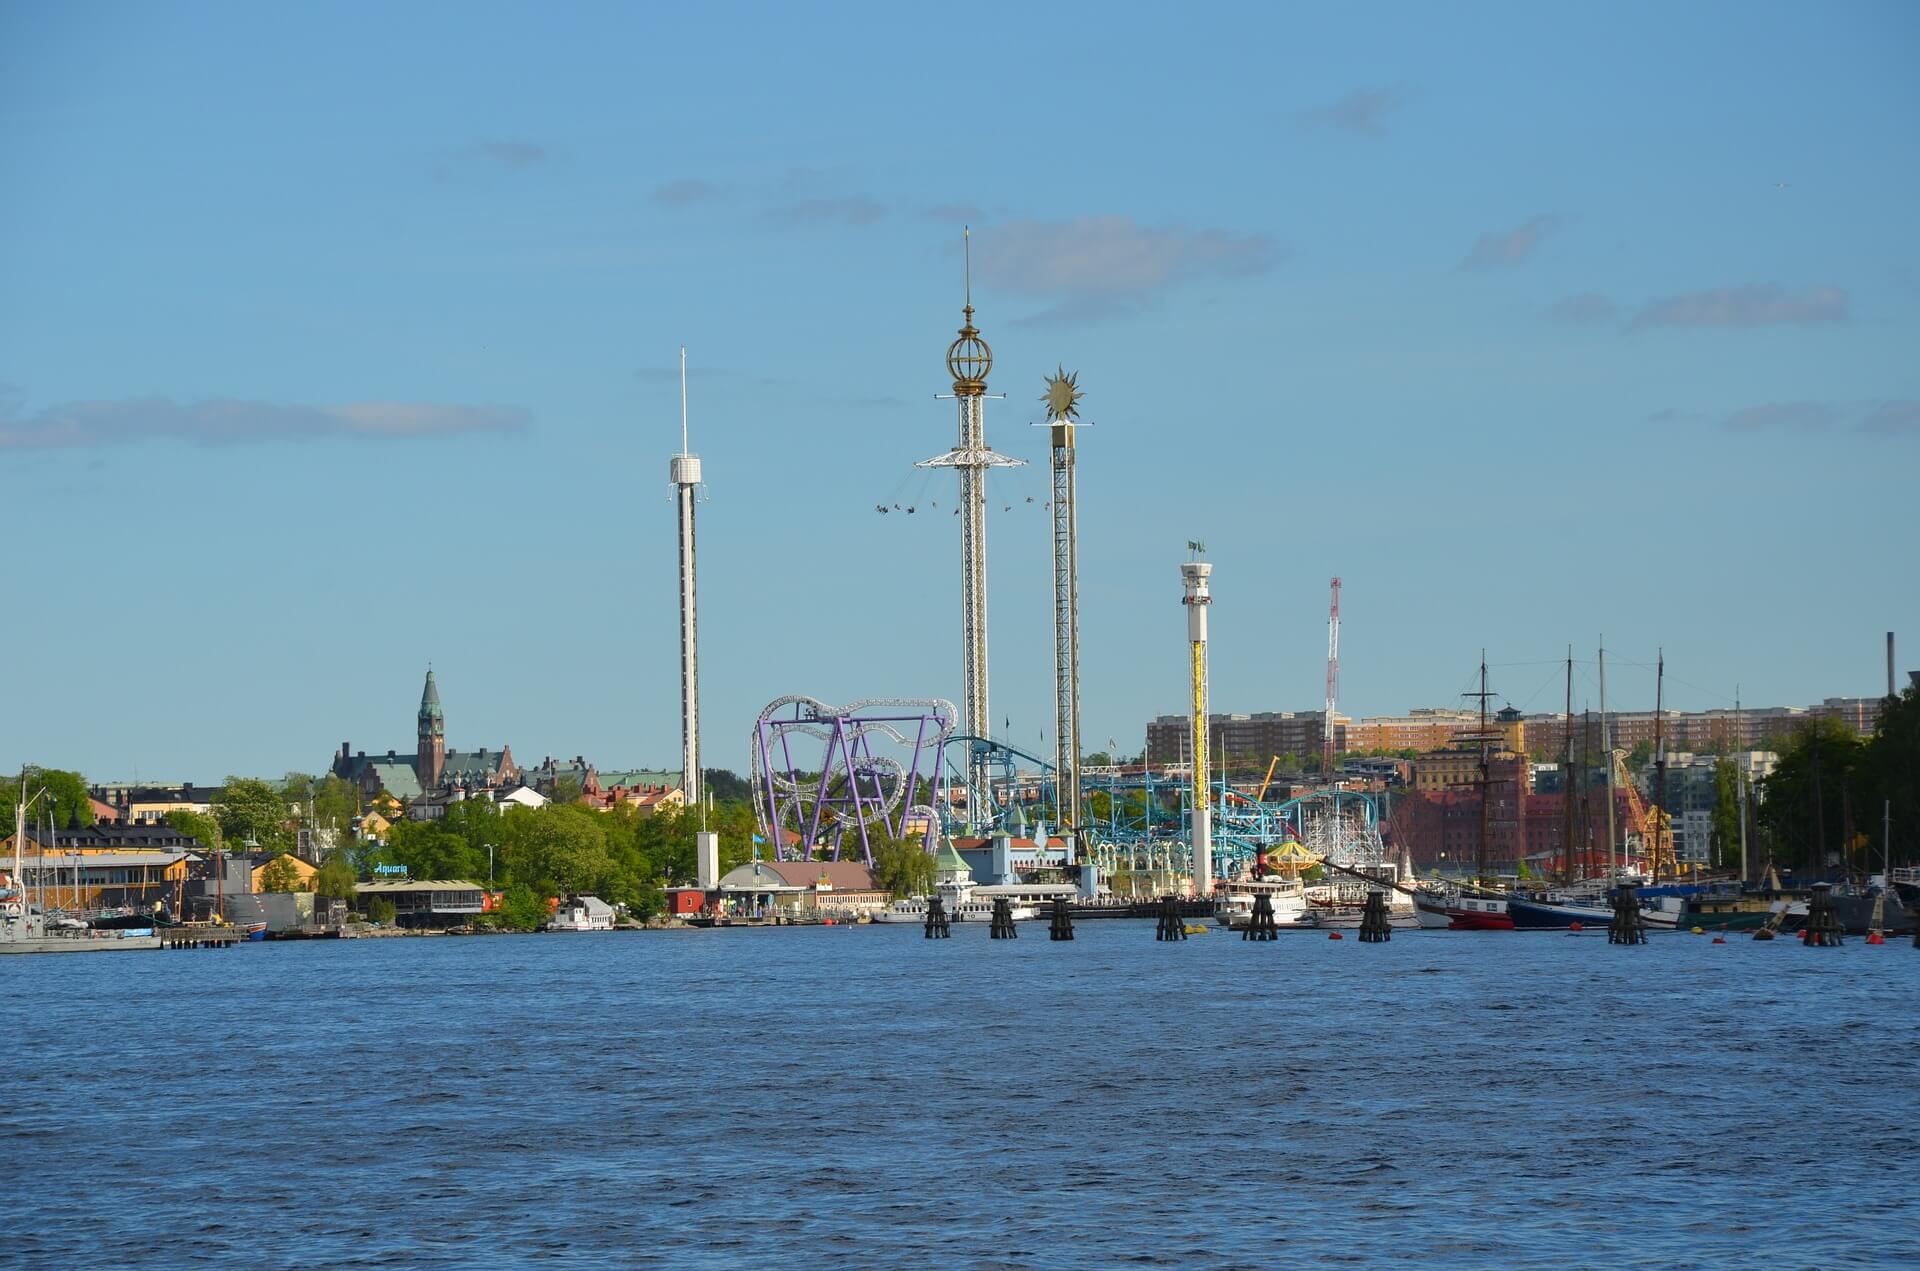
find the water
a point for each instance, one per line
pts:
(864, 1096)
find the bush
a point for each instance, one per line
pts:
(380, 910)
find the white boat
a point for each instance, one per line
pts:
(1233, 907)
(982, 911)
(912, 910)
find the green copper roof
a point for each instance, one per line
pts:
(948, 860)
(430, 699)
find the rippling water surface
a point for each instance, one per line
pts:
(864, 1096)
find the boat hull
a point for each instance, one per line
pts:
(1466, 913)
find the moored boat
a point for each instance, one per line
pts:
(1465, 911)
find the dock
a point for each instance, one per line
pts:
(201, 935)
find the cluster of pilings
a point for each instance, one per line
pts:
(1823, 928)
(1002, 928)
(1171, 926)
(1062, 928)
(1373, 919)
(1627, 927)
(938, 927)
(1262, 926)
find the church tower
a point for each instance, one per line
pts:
(432, 755)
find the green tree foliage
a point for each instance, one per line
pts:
(279, 875)
(203, 827)
(429, 849)
(727, 786)
(1726, 814)
(380, 910)
(565, 790)
(1822, 771)
(561, 848)
(335, 880)
(250, 810)
(903, 866)
(65, 791)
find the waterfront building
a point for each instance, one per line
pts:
(106, 865)
(426, 902)
(801, 889)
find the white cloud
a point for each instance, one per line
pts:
(1751, 305)
(1099, 266)
(229, 422)
(1502, 249)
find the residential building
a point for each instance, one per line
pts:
(136, 804)
(1245, 741)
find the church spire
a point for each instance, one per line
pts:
(431, 757)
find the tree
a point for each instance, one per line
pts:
(1726, 813)
(902, 866)
(1640, 756)
(336, 880)
(250, 811)
(279, 875)
(728, 787)
(65, 800)
(566, 790)
(561, 847)
(380, 910)
(202, 827)
(1804, 800)
(429, 850)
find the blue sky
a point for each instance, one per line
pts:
(338, 339)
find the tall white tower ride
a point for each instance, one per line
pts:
(685, 470)
(1197, 599)
(968, 360)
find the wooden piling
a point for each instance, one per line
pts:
(1627, 926)
(1171, 925)
(1823, 928)
(1003, 928)
(938, 925)
(1062, 928)
(1263, 926)
(1373, 919)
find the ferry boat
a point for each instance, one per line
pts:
(913, 909)
(961, 905)
(1233, 907)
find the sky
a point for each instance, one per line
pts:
(339, 340)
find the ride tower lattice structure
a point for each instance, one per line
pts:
(684, 471)
(1063, 398)
(823, 774)
(1333, 683)
(969, 359)
(1198, 599)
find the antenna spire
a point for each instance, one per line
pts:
(683, 399)
(966, 253)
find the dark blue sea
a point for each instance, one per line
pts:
(864, 1097)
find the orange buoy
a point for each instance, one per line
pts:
(1334, 935)
(1719, 939)
(1874, 937)
(1575, 926)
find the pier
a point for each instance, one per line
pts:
(200, 935)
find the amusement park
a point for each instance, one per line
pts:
(832, 782)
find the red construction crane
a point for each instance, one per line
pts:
(1333, 684)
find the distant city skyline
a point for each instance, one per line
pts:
(322, 359)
